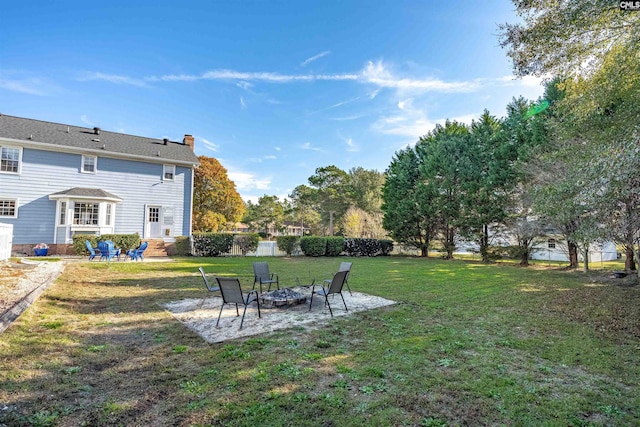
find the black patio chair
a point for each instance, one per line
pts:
(344, 266)
(232, 294)
(335, 287)
(210, 288)
(262, 276)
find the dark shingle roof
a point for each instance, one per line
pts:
(85, 139)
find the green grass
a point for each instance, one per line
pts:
(468, 344)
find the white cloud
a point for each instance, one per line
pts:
(345, 118)
(243, 105)
(379, 75)
(244, 85)
(247, 181)
(308, 146)
(314, 58)
(27, 85)
(113, 78)
(208, 144)
(268, 77)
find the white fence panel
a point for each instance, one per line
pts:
(6, 240)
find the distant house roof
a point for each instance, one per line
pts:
(85, 193)
(55, 136)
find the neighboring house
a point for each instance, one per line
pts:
(289, 229)
(58, 180)
(555, 249)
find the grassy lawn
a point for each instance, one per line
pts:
(468, 344)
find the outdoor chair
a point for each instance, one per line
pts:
(138, 253)
(108, 251)
(206, 283)
(232, 294)
(344, 266)
(92, 251)
(335, 287)
(262, 276)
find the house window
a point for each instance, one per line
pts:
(85, 213)
(63, 213)
(168, 172)
(89, 164)
(9, 159)
(551, 244)
(8, 208)
(108, 214)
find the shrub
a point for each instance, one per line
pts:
(287, 244)
(363, 247)
(247, 242)
(212, 244)
(335, 245)
(183, 246)
(122, 241)
(386, 247)
(313, 245)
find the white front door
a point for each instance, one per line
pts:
(154, 229)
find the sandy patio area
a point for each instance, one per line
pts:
(202, 320)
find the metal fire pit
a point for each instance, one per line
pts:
(282, 298)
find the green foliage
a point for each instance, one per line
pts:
(183, 245)
(267, 213)
(123, 241)
(335, 245)
(212, 244)
(288, 244)
(313, 245)
(409, 214)
(247, 242)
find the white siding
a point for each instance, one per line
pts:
(136, 183)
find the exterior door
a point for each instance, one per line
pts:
(154, 229)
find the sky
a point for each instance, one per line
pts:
(272, 89)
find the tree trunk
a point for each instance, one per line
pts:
(629, 261)
(424, 252)
(484, 244)
(573, 254)
(586, 259)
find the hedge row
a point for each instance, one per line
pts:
(288, 244)
(335, 245)
(122, 241)
(212, 244)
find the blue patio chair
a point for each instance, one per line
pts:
(138, 253)
(92, 252)
(107, 250)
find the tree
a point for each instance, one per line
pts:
(303, 209)
(409, 212)
(331, 195)
(567, 38)
(365, 189)
(267, 213)
(593, 47)
(443, 155)
(487, 181)
(216, 203)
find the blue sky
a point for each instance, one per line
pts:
(272, 89)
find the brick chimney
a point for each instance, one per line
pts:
(188, 140)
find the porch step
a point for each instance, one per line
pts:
(156, 248)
